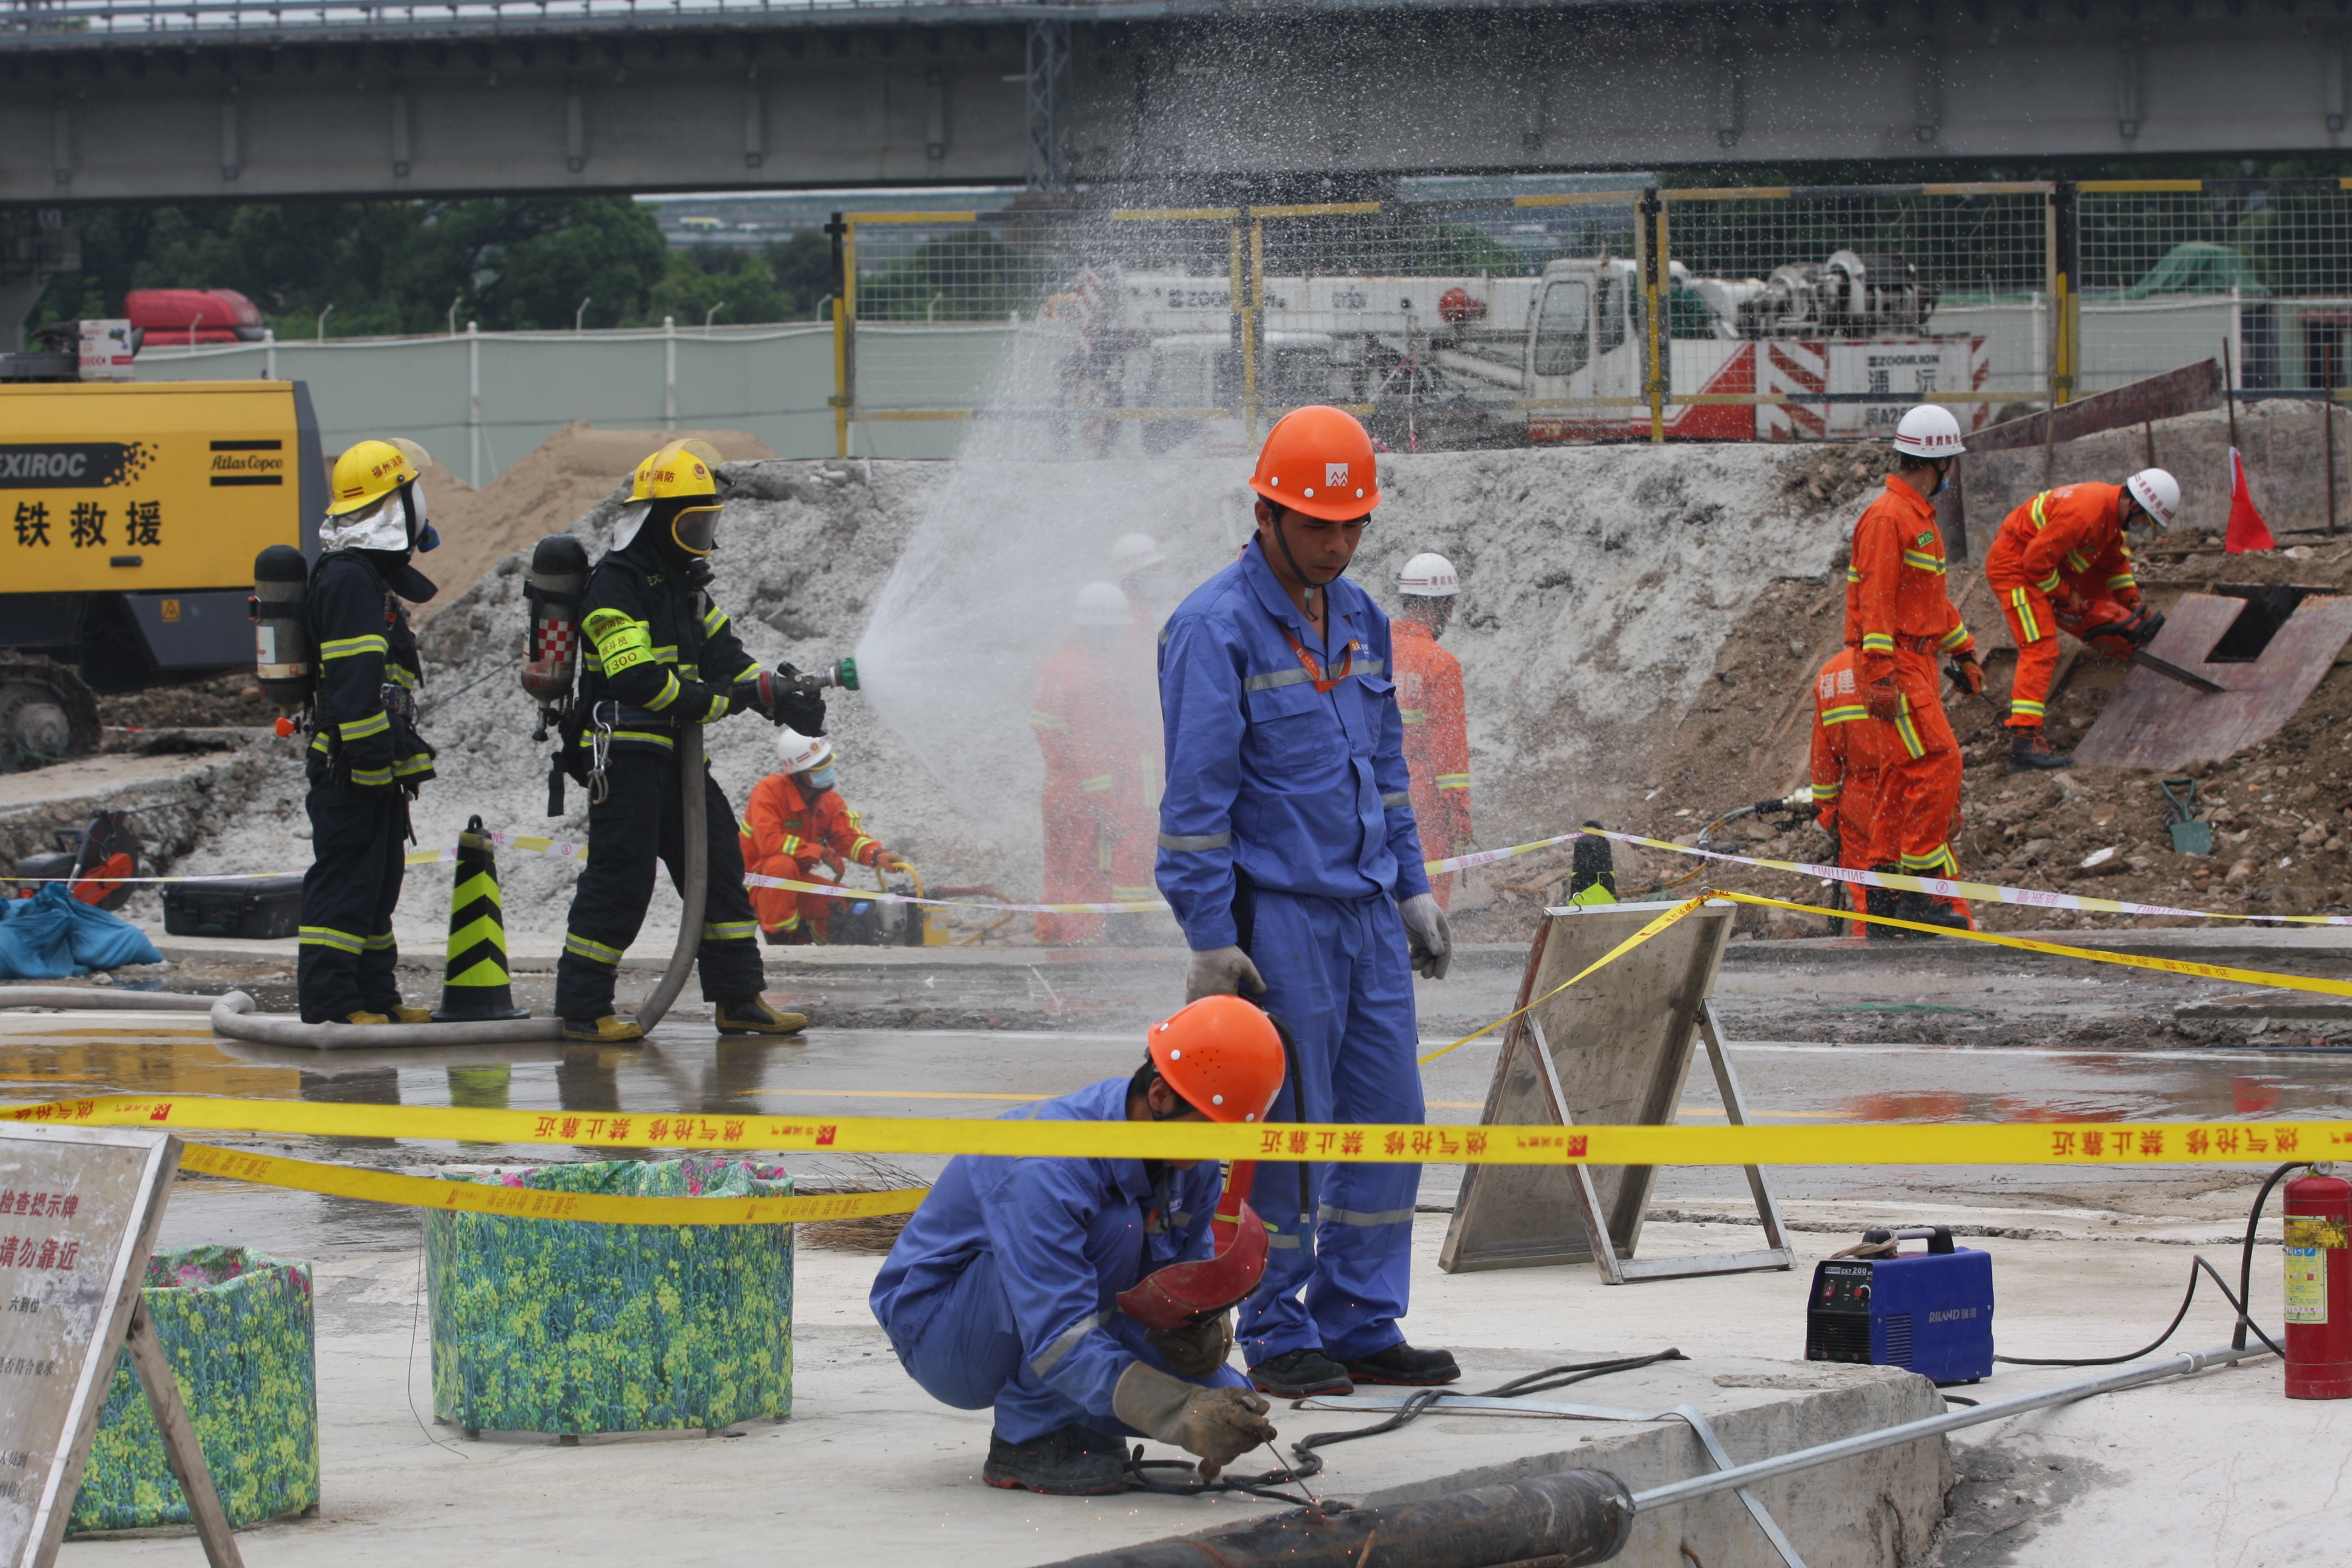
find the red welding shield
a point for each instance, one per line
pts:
(1182, 1293)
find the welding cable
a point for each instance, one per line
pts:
(2238, 1300)
(1541, 1381)
(1140, 1479)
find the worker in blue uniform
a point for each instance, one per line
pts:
(1288, 853)
(1002, 1291)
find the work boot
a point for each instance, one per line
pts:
(1401, 1364)
(411, 1014)
(1886, 903)
(754, 1016)
(1075, 1461)
(1300, 1374)
(1923, 909)
(361, 1016)
(778, 936)
(2028, 751)
(609, 1030)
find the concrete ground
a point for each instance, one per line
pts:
(2217, 1470)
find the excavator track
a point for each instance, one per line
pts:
(45, 709)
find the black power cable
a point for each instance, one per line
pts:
(1533, 1382)
(2196, 1265)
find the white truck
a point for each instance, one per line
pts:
(1506, 360)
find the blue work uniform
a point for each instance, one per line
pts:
(1287, 828)
(1003, 1289)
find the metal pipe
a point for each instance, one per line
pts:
(694, 828)
(1569, 1518)
(1936, 1426)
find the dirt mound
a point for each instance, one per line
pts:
(2282, 811)
(544, 493)
(226, 700)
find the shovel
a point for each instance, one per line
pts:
(2190, 837)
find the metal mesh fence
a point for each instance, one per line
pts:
(2173, 269)
(1788, 313)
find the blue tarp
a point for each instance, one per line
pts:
(53, 934)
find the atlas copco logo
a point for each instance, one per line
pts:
(71, 465)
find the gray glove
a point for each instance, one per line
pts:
(1198, 1348)
(1427, 937)
(1221, 972)
(1220, 1425)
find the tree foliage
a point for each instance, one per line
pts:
(520, 264)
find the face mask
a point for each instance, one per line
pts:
(697, 532)
(419, 530)
(1943, 481)
(820, 779)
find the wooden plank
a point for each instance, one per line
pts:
(2155, 723)
(2191, 389)
(181, 1452)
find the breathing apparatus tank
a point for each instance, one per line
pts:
(281, 630)
(558, 576)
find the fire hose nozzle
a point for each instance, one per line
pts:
(808, 683)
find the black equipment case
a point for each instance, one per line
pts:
(234, 906)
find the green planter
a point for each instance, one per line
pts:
(238, 1328)
(569, 1327)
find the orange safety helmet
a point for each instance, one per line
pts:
(1317, 461)
(1221, 1054)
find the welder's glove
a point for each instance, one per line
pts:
(1198, 1348)
(1220, 1425)
(1966, 673)
(1221, 972)
(1884, 699)
(1427, 938)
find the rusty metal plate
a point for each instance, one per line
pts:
(2153, 722)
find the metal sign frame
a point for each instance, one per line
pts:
(1614, 1049)
(122, 1325)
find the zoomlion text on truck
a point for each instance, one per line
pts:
(1563, 355)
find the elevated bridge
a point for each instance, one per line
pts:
(123, 100)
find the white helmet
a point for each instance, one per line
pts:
(1427, 576)
(1101, 604)
(797, 754)
(1133, 552)
(1928, 431)
(2158, 494)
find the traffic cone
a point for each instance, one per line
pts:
(473, 982)
(2247, 530)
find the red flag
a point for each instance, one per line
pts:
(2247, 529)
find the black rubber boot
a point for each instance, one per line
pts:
(2028, 751)
(1401, 1364)
(1075, 1461)
(1926, 912)
(1300, 1374)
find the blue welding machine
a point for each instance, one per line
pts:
(1930, 1312)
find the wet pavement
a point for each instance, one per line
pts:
(685, 1068)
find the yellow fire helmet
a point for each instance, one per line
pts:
(682, 468)
(372, 471)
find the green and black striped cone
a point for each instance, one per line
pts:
(475, 983)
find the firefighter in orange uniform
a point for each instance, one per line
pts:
(797, 826)
(1898, 617)
(1095, 718)
(2061, 562)
(1852, 752)
(1429, 699)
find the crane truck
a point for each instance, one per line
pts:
(1559, 355)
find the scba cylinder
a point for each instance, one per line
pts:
(559, 572)
(281, 627)
(2318, 1287)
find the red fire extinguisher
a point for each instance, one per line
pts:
(2318, 1287)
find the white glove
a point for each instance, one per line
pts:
(1221, 972)
(1427, 937)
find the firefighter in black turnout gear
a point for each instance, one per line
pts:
(366, 760)
(658, 655)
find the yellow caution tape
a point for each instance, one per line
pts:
(2096, 955)
(2027, 1143)
(1611, 956)
(523, 1203)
